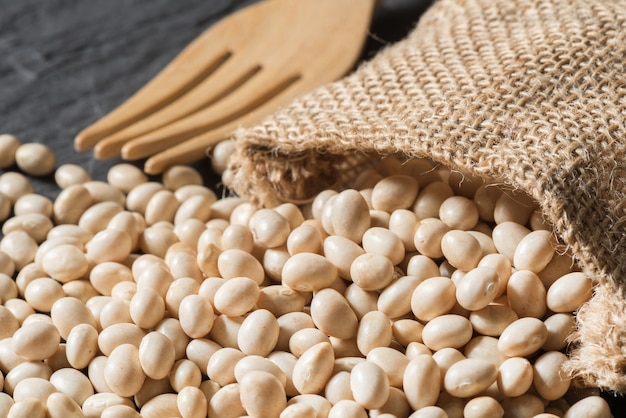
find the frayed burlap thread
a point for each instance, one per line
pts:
(531, 93)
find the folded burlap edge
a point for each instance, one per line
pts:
(529, 93)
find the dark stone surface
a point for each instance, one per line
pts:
(65, 63)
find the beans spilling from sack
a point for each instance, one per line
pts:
(416, 292)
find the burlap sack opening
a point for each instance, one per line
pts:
(531, 93)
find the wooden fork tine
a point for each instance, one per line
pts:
(259, 90)
(211, 90)
(195, 148)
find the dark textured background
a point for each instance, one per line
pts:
(65, 63)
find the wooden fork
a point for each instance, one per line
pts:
(235, 73)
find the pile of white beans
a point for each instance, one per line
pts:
(415, 293)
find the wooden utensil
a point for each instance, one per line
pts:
(235, 73)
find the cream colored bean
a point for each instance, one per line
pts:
(448, 330)
(351, 216)
(430, 198)
(360, 300)
(101, 191)
(327, 305)
(236, 296)
(469, 377)
(146, 308)
(483, 406)
(236, 263)
(492, 319)
(20, 246)
(486, 348)
(42, 293)
(569, 292)
(395, 299)
(338, 388)
(120, 411)
(33, 388)
(348, 409)
(36, 341)
(32, 408)
(71, 231)
(124, 291)
(221, 365)
(68, 175)
(523, 337)
(342, 252)
(307, 272)
(274, 260)
(269, 228)
(258, 334)
(185, 373)
(227, 402)
(14, 185)
(421, 381)
(8, 146)
(526, 294)
(526, 405)
(559, 326)
(196, 316)
(406, 331)
(60, 405)
(9, 322)
(304, 339)
(262, 394)
(369, 384)
(258, 363)
(478, 288)
(304, 239)
(428, 237)
(178, 176)
(7, 265)
(513, 206)
(286, 362)
(194, 207)
(99, 402)
(289, 323)
(171, 328)
(200, 350)
(156, 355)
(177, 291)
(459, 212)
(392, 361)
(192, 403)
(534, 251)
(123, 372)
(394, 192)
(5, 206)
(507, 236)
(433, 297)
(548, 377)
(279, 300)
(97, 217)
(81, 345)
(95, 372)
(118, 334)
(157, 239)
(36, 225)
(515, 376)
(35, 159)
(239, 237)
(104, 276)
(591, 406)
(377, 240)
(461, 249)
(109, 245)
(23, 371)
(71, 203)
(162, 206)
(313, 369)
(372, 271)
(319, 403)
(19, 308)
(374, 331)
(139, 196)
(65, 263)
(33, 203)
(422, 267)
(73, 383)
(445, 358)
(226, 330)
(126, 176)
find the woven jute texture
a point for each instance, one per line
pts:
(530, 93)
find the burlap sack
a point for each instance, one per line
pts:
(531, 93)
